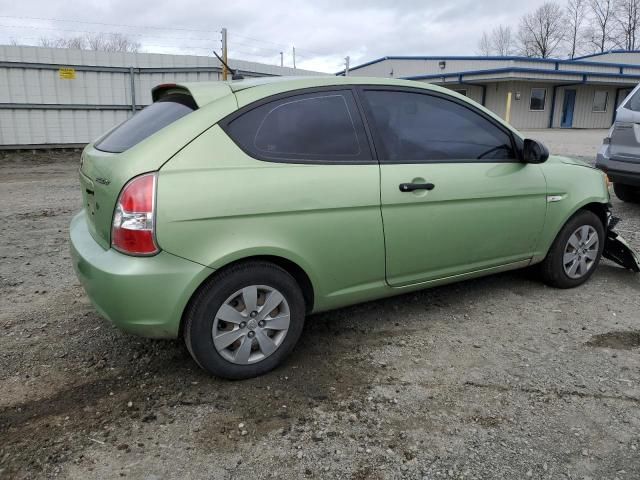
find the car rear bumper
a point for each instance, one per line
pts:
(141, 295)
(626, 178)
(622, 171)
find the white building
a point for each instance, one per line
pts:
(529, 92)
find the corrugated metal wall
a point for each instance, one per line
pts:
(38, 107)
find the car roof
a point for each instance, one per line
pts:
(205, 92)
(257, 88)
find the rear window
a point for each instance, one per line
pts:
(323, 126)
(147, 122)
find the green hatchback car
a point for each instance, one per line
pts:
(223, 213)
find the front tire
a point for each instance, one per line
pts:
(576, 251)
(245, 320)
(626, 193)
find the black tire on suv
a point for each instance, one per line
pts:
(626, 193)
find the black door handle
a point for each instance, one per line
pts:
(410, 187)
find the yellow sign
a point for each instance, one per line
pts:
(67, 73)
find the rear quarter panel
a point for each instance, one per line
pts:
(578, 186)
(118, 168)
(217, 205)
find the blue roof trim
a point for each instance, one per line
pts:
(521, 70)
(504, 58)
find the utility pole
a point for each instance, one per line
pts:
(224, 54)
(282, 59)
(294, 57)
(346, 66)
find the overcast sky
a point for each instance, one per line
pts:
(323, 31)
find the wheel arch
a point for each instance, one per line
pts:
(296, 271)
(598, 207)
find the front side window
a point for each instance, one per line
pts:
(147, 122)
(417, 127)
(600, 101)
(321, 126)
(538, 99)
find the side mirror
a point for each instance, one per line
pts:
(534, 151)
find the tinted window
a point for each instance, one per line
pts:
(322, 126)
(420, 127)
(538, 98)
(147, 122)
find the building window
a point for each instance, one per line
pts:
(461, 91)
(600, 99)
(538, 99)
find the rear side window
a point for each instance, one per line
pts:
(416, 127)
(323, 126)
(147, 122)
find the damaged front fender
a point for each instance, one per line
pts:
(618, 250)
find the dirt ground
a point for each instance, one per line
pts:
(498, 378)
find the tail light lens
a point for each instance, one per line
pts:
(133, 229)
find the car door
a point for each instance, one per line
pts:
(455, 198)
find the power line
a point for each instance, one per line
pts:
(279, 45)
(31, 27)
(177, 46)
(103, 23)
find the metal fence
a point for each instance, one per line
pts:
(52, 97)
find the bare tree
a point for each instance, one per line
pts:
(627, 16)
(542, 31)
(601, 31)
(499, 42)
(575, 12)
(484, 45)
(114, 42)
(52, 42)
(502, 40)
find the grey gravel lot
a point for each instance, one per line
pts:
(499, 377)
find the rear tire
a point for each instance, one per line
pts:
(245, 320)
(626, 193)
(575, 252)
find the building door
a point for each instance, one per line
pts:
(622, 95)
(567, 108)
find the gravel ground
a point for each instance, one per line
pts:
(499, 377)
(570, 142)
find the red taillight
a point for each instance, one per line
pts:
(133, 229)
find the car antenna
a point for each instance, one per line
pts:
(234, 74)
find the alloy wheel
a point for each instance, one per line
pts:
(581, 251)
(251, 324)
